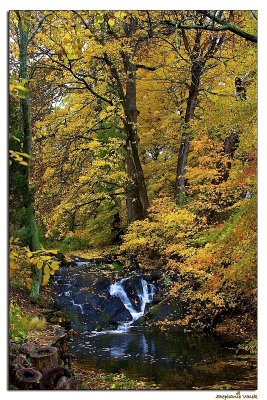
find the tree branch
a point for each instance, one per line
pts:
(229, 27)
(147, 67)
(224, 26)
(38, 26)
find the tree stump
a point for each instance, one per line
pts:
(44, 358)
(59, 379)
(27, 377)
(55, 336)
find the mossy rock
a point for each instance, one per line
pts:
(172, 310)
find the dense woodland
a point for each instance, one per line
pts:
(135, 133)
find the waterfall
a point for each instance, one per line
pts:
(99, 304)
(145, 295)
(79, 306)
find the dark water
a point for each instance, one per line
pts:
(171, 360)
(167, 359)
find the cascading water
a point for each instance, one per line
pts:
(94, 304)
(144, 293)
(171, 360)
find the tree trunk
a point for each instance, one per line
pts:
(180, 186)
(59, 379)
(30, 220)
(229, 148)
(198, 60)
(137, 198)
(136, 191)
(116, 229)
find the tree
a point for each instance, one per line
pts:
(109, 59)
(215, 22)
(25, 34)
(203, 49)
(128, 92)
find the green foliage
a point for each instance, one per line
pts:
(249, 346)
(22, 259)
(19, 157)
(19, 326)
(20, 87)
(16, 327)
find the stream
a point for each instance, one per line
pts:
(112, 339)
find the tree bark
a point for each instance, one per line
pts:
(28, 378)
(196, 72)
(116, 229)
(59, 379)
(198, 62)
(137, 198)
(136, 192)
(229, 148)
(44, 359)
(30, 220)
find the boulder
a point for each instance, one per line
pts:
(114, 307)
(171, 309)
(133, 287)
(102, 283)
(84, 296)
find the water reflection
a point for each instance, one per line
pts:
(172, 360)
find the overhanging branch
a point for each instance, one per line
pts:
(229, 27)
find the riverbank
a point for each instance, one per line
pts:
(239, 329)
(88, 379)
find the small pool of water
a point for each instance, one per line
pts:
(168, 359)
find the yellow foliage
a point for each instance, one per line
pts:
(49, 172)
(22, 260)
(167, 226)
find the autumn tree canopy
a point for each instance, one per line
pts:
(137, 132)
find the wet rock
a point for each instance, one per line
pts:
(83, 297)
(132, 287)
(83, 280)
(62, 259)
(154, 275)
(116, 310)
(92, 319)
(171, 309)
(102, 283)
(84, 294)
(158, 297)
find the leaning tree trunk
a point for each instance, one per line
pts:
(28, 200)
(136, 191)
(180, 184)
(137, 198)
(198, 60)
